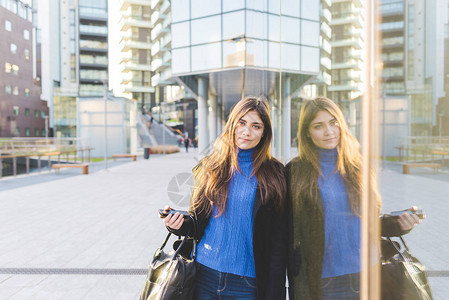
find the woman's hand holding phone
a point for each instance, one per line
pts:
(174, 221)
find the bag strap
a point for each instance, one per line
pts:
(165, 241)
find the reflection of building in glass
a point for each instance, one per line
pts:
(22, 112)
(135, 47)
(223, 50)
(348, 61)
(425, 54)
(74, 56)
(442, 111)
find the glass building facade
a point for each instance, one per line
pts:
(216, 35)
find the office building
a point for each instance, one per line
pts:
(22, 112)
(74, 57)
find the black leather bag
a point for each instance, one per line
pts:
(403, 275)
(172, 275)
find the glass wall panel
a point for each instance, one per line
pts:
(180, 60)
(310, 10)
(257, 53)
(233, 25)
(290, 8)
(290, 30)
(233, 5)
(310, 59)
(273, 55)
(180, 34)
(206, 30)
(261, 5)
(256, 25)
(180, 10)
(234, 54)
(273, 28)
(273, 6)
(206, 57)
(202, 8)
(310, 33)
(290, 57)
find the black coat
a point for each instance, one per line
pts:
(306, 236)
(269, 246)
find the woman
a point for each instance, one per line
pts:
(324, 186)
(238, 205)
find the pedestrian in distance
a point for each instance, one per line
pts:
(238, 203)
(324, 185)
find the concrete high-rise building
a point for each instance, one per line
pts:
(74, 57)
(393, 41)
(22, 112)
(348, 61)
(135, 52)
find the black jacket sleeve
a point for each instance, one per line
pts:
(390, 226)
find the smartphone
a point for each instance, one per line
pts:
(163, 213)
(418, 213)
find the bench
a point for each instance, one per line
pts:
(85, 167)
(406, 167)
(133, 156)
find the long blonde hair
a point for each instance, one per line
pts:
(214, 172)
(349, 159)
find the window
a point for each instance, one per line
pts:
(17, 131)
(15, 110)
(8, 67)
(36, 132)
(26, 34)
(36, 114)
(43, 114)
(15, 69)
(15, 90)
(27, 112)
(13, 48)
(27, 92)
(8, 26)
(43, 132)
(27, 54)
(8, 89)
(27, 132)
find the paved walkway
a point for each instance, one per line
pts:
(73, 236)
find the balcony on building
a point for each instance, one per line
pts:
(127, 3)
(349, 85)
(348, 18)
(348, 64)
(355, 42)
(93, 30)
(132, 65)
(93, 14)
(127, 44)
(134, 21)
(155, 4)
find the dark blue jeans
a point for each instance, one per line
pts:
(212, 284)
(341, 287)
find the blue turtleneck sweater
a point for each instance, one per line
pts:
(342, 227)
(227, 243)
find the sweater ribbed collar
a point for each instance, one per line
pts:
(245, 155)
(328, 155)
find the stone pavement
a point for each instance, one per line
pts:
(73, 236)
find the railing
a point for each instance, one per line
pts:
(423, 148)
(12, 149)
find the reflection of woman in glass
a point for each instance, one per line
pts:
(238, 205)
(324, 186)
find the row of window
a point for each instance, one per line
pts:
(9, 89)
(21, 9)
(8, 27)
(37, 132)
(37, 113)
